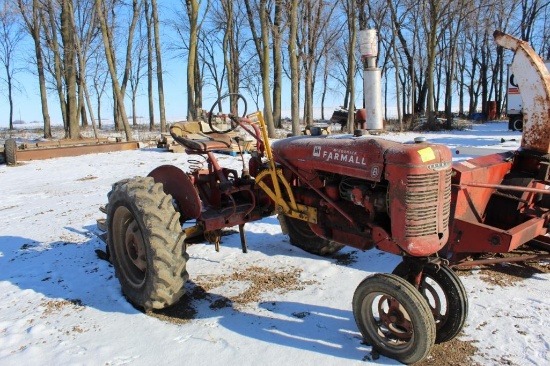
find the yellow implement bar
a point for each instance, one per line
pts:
(290, 207)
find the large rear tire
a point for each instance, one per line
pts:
(446, 296)
(304, 238)
(146, 243)
(10, 151)
(394, 318)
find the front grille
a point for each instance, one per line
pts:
(423, 202)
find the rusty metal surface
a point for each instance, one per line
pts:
(476, 237)
(505, 188)
(519, 258)
(414, 180)
(533, 80)
(178, 184)
(59, 152)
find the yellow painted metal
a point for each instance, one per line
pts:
(287, 206)
(193, 231)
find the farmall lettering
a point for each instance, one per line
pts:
(339, 155)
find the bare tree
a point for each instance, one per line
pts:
(72, 128)
(10, 36)
(30, 12)
(276, 34)
(81, 52)
(137, 71)
(294, 72)
(118, 89)
(149, 26)
(99, 78)
(261, 41)
(193, 7)
(158, 53)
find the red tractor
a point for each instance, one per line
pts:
(334, 190)
(328, 191)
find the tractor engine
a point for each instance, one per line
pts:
(370, 192)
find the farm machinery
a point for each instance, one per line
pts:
(335, 190)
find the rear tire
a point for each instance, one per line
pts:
(146, 243)
(10, 151)
(303, 237)
(446, 297)
(394, 318)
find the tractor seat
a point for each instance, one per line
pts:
(197, 141)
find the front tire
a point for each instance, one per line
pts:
(394, 318)
(304, 238)
(146, 243)
(446, 296)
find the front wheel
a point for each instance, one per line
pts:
(394, 318)
(446, 296)
(146, 243)
(304, 238)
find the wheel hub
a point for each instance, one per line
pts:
(393, 318)
(135, 247)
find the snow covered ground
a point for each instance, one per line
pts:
(61, 305)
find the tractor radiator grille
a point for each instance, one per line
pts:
(425, 203)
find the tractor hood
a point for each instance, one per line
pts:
(362, 157)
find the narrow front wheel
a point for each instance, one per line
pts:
(445, 295)
(394, 318)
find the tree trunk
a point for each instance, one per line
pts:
(33, 26)
(119, 98)
(150, 68)
(158, 51)
(262, 48)
(52, 40)
(277, 63)
(192, 13)
(69, 65)
(351, 62)
(294, 73)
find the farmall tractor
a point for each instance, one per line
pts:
(330, 191)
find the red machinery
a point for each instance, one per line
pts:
(501, 201)
(331, 191)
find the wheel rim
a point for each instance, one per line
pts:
(129, 247)
(388, 319)
(437, 299)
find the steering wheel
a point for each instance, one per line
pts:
(233, 118)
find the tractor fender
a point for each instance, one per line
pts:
(178, 184)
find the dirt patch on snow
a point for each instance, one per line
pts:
(246, 286)
(257, 281)
(454, 352)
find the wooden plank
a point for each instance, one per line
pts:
(48, 153)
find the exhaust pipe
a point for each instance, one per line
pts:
(372, 90)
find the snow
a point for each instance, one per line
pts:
(60, 304)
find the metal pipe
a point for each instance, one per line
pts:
(372, 90)
(481, 262)
(505, 188)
